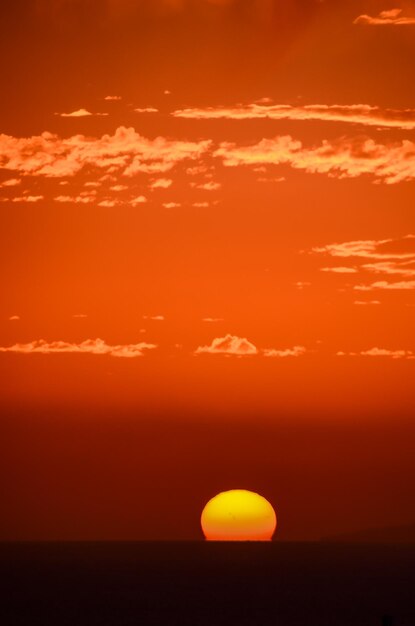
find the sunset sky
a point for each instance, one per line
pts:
(207, 246)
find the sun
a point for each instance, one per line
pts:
(238, 515)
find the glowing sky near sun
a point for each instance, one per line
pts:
(207, 217)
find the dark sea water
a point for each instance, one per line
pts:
(163, 583)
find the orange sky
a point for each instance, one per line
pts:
(207, 264)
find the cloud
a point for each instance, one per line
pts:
(81, 113)
(339, 270)
(197, 169)
(210, 186)
(78, 113)
(108, 203)
(212, 319)
(382, 249)
(381, 352)
(119, 188)
(385, 18)
(171, 205)
(295, 351)
(154, 318)
(138, 200)
(366, 302)
(343, 158)
(161, 155)
(11, 182)
(278, 179)
(126, 151)
(28, 199)
(75, 199)
(383, 284)
(138, 167)
(389, 267)
(161, 183)
(388, 257)
(229, 345)
(363, 114)
(114, 98)
(146, 110)
(394, 354)
(90, 346)
(89, 184)
(14, 318)
(80, 315)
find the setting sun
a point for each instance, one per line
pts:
(238, 515)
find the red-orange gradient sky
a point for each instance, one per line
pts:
(207, 245)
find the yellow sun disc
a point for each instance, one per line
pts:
(238, 515)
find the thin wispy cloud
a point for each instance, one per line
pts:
(381, 352)
(288, 352)
(212, 320)
(392, 17)
(391, 268)
(382, 249)
(277, 179)
(154, 318)
(209, 186)
(403, 285)
(146, 110)
(89, 346)
(81, 113)
(388, 257)
(363, 114)
(339, 270)
(29, 199)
